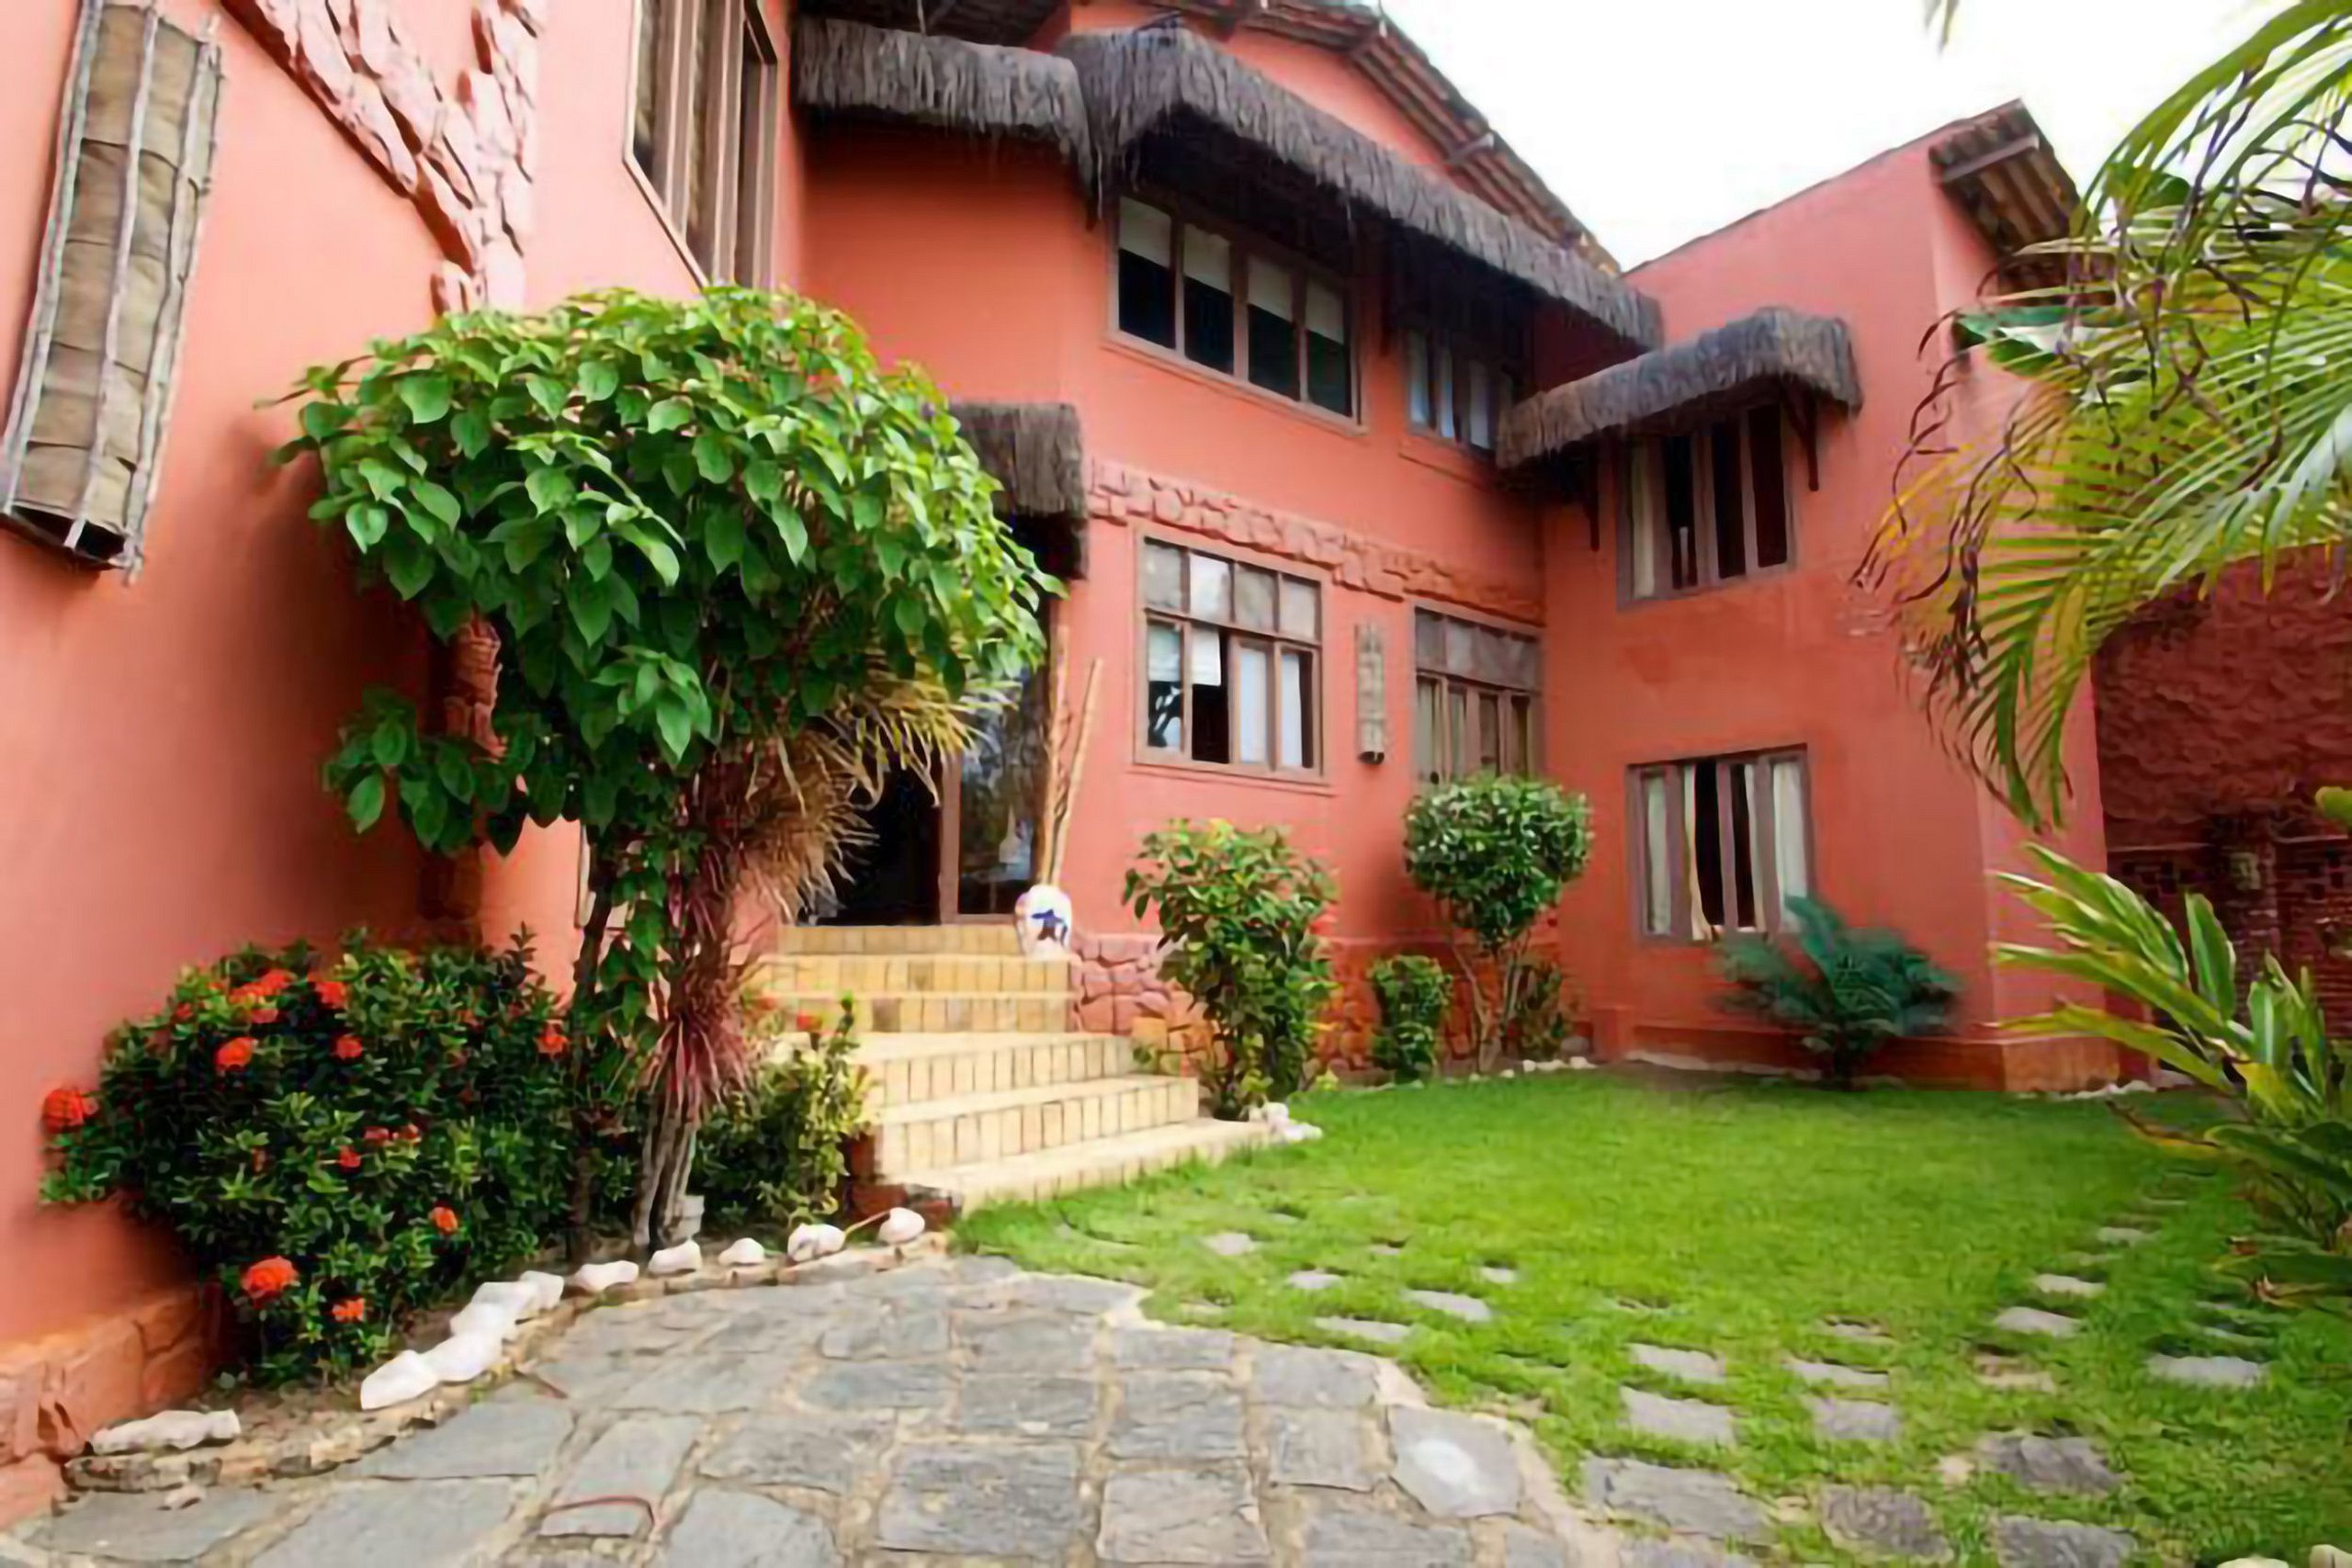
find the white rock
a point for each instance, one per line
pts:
(900, 1227)
(405, 1377)
(1582, 1064)
(546, 1288)
(495, 1320)
(1298, 1133)
(683, 1258)
(462, 1358)
(2254, 1563)
(595, 1278)
(519, 1297)
(744, 1254)
(181, 1429)
(811, 1242)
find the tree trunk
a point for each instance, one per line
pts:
(664, 1170)
(579, 1237)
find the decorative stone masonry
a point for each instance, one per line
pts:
(464, 154)
(1123, 496)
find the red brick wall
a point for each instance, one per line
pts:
(2301, 911)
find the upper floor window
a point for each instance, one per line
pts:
(1708, 507)
(703, 129)
(1475, 699)
(1231, 653)
(1230, 306)
(1721, 843)
(1455, 392)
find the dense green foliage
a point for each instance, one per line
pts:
(2261, 1041)
(776, 1152)
(1414, 994)
(1238, 910)
(339, 1141)
(1497, 852)
(1843, 991)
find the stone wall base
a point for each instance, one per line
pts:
(2015, 1067)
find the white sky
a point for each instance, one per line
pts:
(1661, 121)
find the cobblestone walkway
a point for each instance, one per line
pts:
(952, 1412)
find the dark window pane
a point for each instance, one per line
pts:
(645, 121)
(1330, 369)
(1731, 503)
(1164, 688)
(1490, 733)
(1707, 842)
(1681, 509)
(1765, 456)
(1274, 329)
(1212, 706)
(1418, 405)
(1298, 746)
(1147, 274)
(752, 161)
(1429, 718)
(1209, 300)
(1743, 846)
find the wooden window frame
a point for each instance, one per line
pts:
(1465, 352)
(1685, 923)
(1446, 746)
(1245, 248)
(1709, 577)
(700, 51)
(1275, 644)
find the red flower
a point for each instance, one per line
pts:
(809, 1024)
(234, 1054)
(331, 993)
(185, 1011)
(445, 1219)
(248, 996)
(264, 1015)
(348, 1158)
(261, 1161)
(348, 1048)
(67, 1108)
(408, 1133)
(268, 1279)
(376, 1135)
(552, 1042)
(274, 981)
(353, 1309)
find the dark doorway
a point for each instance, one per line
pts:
(894, 881)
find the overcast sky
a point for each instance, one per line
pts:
(1661, 121)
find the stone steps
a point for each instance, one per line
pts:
(831, 974)
(985, 1128)
(1102, 1162)
(935, 1012)
(974, 941)
(910, 1069)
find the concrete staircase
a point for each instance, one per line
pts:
(979, 1090)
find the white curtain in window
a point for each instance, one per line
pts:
(1790, 847)
(1640, 487)
(1657, 857)
(1208, 259)
(1252, 680)
(1147, 232)
(1417, 378)
(1299, 693)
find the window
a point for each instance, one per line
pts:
(1708, 507)
(1230, 655)
(1454, 392)
(1720, 844)
(1234, 309)
(1475, 699)
(702, 128)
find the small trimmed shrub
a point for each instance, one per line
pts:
(339, 1141)
(1843, 992)
(1497, 852)
(1238, 910)
(776, 1153)
(1414, 994)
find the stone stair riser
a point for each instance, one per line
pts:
(980, 1191)
(989, 941)
(946, 1140)
(914, 1080)
(919, 1014)
(882, 974)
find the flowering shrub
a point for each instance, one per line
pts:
(341, 1142)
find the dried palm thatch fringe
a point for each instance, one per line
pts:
(1036, 451)
(1773, 344)
(1135, 82)
(845, 68)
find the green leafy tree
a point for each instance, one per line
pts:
(1497, 852)
(699, 530)
(1239, 912)
(1414, 993)
(1844, 992)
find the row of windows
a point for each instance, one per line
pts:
(1721, 843)
(702, 128)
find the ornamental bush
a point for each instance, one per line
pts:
(1238, 910)
(1414, 993)
(776, 1152)
(340, 1141)
(1496, 853)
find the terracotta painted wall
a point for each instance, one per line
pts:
(1902, 836)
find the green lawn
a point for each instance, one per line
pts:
(1737, 1219)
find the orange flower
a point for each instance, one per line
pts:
(348, 1048)
(408, 1133)
(553, 1041)
(268, 1279)
(261, 1161)
(353, 1309)
(67, 1108)
(809, 1024)
(264, 1015)
(332, 993)
(348, 1158)
(445, 1219)
(185, 1011)
(234, 1054)
(248, 996)
(274, 981)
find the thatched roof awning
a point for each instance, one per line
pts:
(846, 68)
(1687, 383)
(1037, 451)
(1137, 82)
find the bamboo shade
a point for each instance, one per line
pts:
(134, 162)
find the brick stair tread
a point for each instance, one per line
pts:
(1016, 1098)
(1098, 1161)
(910, 996)
(874, 1049)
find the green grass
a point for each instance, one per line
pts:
(1746, 1215)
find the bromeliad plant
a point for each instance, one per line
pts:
(732, 568)
(2261, 1041)
(1844, 992)
(339, 1141)
(1497, 852)
(1238, 910)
